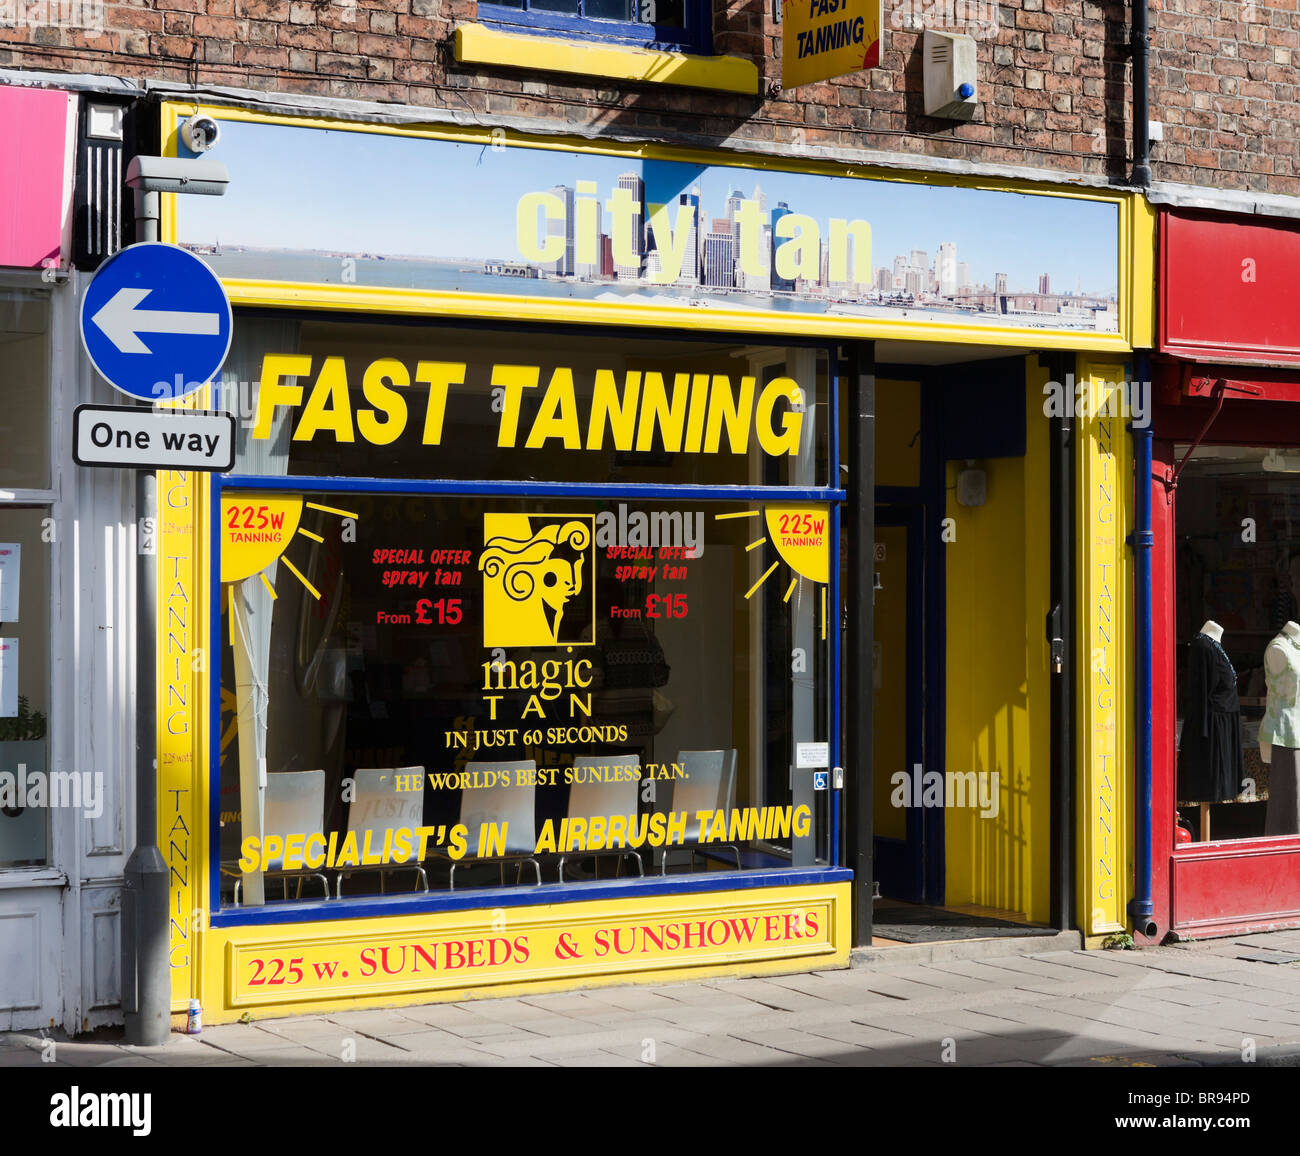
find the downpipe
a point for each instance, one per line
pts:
(1140, 45)
(1141, 906)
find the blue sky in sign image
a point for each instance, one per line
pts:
(357, 192)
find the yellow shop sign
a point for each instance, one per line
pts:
(691, 412)
(826, 38)
(457, 951)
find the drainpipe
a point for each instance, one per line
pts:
(1141, 907)
(1140, 44)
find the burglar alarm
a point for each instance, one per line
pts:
(972, 486)
(949, 74)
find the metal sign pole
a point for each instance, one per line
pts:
(146, 970)
(183, 298)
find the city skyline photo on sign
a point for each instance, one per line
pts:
(516, 221)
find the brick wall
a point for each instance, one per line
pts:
(1053, 74)
(1224, 85)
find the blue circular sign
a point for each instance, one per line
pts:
(156, 322)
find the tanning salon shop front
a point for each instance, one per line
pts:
(521, 608)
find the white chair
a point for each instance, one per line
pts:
(379, 806)
(512, 805)
(595, 797)
(709, 785)
(294, 804)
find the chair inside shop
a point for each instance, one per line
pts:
(385, 800)
(294, 804)
(512, 806)
(709, 785)
(595, 798)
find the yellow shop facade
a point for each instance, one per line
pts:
(639, 564)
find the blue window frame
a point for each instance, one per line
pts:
(671, 25)
(831, 870)
(224, 915)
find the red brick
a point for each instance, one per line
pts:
(1074, 58)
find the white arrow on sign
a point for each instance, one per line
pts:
(120, 321)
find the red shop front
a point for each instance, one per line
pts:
(1225, 502)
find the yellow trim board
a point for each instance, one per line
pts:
(1104, 721)
(479, 44)
(383, 299)
(1140, 258)
(391, 961)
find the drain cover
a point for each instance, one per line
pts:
(1270, 956)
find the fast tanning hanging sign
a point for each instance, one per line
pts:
(826, 38)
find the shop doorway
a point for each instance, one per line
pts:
(962, 743)
(897, 689)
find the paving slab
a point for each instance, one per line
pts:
(792, 1041)
(663, 1055)
(379, 1024)
(436, 1047)
(633, 999)
(858, 1035)
(733, 1050)
(772, 995)
(944, 979)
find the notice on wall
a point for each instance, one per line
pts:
(809, 755)
(10, 565)
(8, 677)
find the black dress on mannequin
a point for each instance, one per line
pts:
(1209, 755)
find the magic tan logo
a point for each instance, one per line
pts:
(537, 580)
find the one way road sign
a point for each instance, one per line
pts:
(134, 437)
(156, 322)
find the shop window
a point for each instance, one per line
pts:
(461, 659)
(25, 536)
(25, 422)
(674, 24)
(27, 789)
(1238, 649)
(509, 684)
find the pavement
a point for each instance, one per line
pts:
(1214, 1003)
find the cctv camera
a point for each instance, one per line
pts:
(200, 133)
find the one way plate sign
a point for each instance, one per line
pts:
(135, 437)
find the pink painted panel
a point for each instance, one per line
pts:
(35, 154)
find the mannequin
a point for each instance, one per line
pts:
(1279, 733)
(1209, 755)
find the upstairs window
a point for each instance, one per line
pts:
(675, 25)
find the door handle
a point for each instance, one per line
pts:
(1054, 639)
